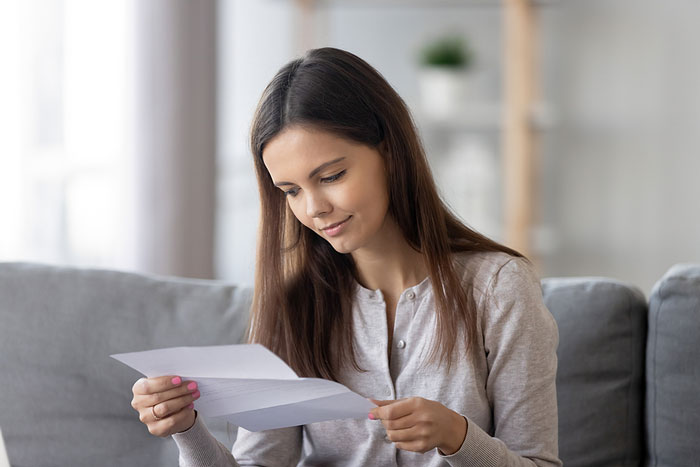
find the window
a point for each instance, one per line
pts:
(65, 165)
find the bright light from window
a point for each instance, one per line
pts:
(65, 162)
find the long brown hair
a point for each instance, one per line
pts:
(303, 287)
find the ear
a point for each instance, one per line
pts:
(383, 148)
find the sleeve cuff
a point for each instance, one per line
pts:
(478, 449)
(197, 446)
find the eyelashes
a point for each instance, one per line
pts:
(330, 179)
(333, 178)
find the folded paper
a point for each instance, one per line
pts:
(250, 386)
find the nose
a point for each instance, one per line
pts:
(317, 205)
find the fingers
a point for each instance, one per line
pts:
(402, 423)
(172, 387)
(391, 410)
(407, 434)
(382, 403)
(414, 424)
(171, 406)
(153, 385)
(416, 438)
(175, 423)
(188, 387)
(165, 404)
(419, 437)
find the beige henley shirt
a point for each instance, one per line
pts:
(508, 396)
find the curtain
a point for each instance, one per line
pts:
(174, 136)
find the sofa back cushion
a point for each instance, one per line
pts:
(602, 334)
(64, 400)
(673, 369)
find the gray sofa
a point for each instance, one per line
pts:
(628, 380)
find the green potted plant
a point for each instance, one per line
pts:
(444, 73)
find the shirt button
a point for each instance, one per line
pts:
(410, 295)
(401, 344)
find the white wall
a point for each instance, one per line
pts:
(255, 41)
(621, 171)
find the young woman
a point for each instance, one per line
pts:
(365, 277)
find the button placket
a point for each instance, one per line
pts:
(388, 390)
(410, 296)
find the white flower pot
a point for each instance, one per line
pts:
(443, 90)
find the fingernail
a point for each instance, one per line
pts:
(176, 380)
(196, 394)
(371, 416)
(192, 386)
(191, 406)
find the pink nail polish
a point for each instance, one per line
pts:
(192, 386)
(176, 380)
(196, 394)
(371, 417)
(191, 406)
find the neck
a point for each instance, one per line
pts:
(391, 266)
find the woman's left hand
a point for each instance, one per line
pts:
(417, 424)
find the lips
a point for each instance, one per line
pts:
(335, 229)
(334, 225)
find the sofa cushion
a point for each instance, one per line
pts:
(602, 333)
(673, 369)
(64, 400)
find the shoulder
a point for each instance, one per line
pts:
(487, 270)
(506, 289)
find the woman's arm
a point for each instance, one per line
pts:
(520, 341)
(199, 448)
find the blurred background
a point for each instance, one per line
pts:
(566, 129)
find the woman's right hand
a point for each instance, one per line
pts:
(165, 404)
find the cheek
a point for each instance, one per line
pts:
(299, 212)
(376, 202)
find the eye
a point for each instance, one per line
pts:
(333, 178)
(293, 192)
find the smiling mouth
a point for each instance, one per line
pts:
(336, 224)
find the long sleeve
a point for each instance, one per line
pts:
(520, 342)
(199, 448)
(280, 447)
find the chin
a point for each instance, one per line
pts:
(342, 247)
(342, 250)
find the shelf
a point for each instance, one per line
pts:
(477, 116)
(421, 3)
(482, 116)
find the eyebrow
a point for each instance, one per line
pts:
(315, 171)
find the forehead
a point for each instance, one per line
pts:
(296, 153)
(299, 145)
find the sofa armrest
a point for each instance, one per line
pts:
(64, 400)
(673, 369)
(600, 377)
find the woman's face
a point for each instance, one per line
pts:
(334, 186)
